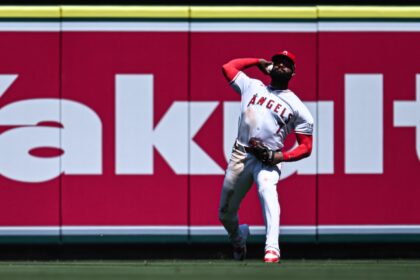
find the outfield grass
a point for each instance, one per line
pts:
(219, 270)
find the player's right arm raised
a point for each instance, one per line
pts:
(232, 68)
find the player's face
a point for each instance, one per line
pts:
(282, 68)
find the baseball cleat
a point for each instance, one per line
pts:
(271, 256)
(239, 249)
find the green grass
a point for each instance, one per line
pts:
(211, 269)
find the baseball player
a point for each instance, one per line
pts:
(268, 114)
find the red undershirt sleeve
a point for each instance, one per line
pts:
(232, 68)
(303, 149)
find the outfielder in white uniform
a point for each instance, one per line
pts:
(268, 115)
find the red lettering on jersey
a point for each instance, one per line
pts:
(276, 109)
(261, 101)
(270, 104)
(252, 101)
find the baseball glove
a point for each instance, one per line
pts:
(260, 151)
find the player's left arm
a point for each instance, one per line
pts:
(303, 127)
(302, 150)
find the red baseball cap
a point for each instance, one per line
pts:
(287, 54)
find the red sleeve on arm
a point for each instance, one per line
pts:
(303, 150)
(232, 68)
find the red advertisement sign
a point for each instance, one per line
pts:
(297, 193)
(125, 129)
(30, 78)
(375, 86)
(130, 82)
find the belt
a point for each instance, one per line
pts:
(241, 147)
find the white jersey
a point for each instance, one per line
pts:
(269, 114)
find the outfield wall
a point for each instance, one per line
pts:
(116, 123)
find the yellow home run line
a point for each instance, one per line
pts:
(29, 12)
(125, 12)
(211, 12)
(371, 12)
(253, 12)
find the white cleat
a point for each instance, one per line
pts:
(271, 256)
(239, 249)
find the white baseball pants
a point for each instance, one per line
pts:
(242, 171)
